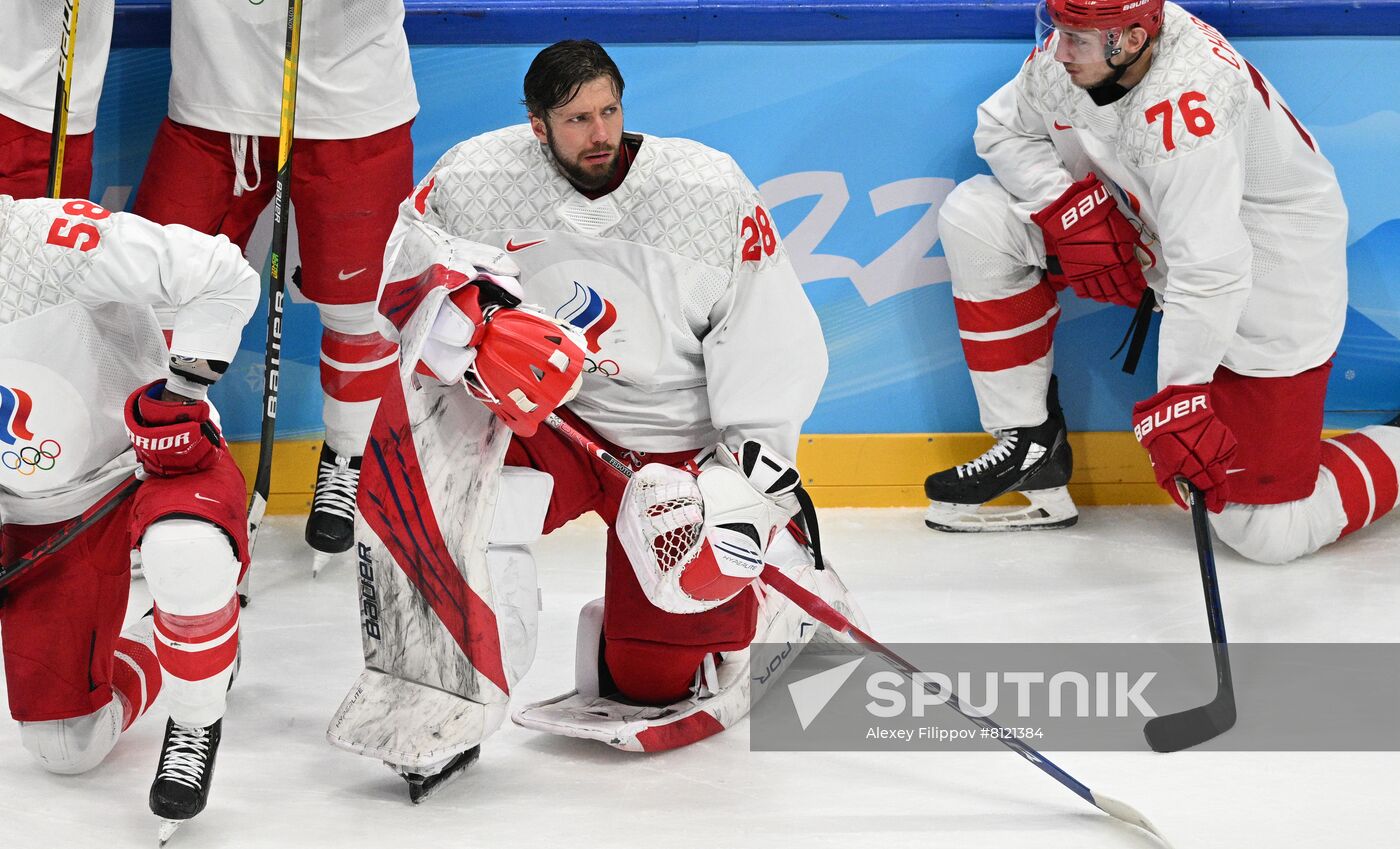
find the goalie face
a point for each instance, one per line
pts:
(585, 134)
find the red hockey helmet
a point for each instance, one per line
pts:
(526, 366)
(1091, 29)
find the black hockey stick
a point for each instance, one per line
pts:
(58, 140)
(1184, 729)
(66, 534)
(832, 618)
(276, 287)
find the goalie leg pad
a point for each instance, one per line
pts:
(408, 725)
(724, 692)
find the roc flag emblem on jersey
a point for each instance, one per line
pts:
(15, 405)
(590, 312)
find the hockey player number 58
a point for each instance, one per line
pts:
(1198, 121)
(77, 234)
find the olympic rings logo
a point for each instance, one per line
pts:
(31, 459)
(607, 368)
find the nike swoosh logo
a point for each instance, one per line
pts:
(1233, 471)
(1060, 126)
(513, 247)
(206, 498)
(343, 276)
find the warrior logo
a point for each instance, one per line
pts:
(590, 312)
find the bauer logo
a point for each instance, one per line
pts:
(1064, 696)
(369, 595)
(1085, 206)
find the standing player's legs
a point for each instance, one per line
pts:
(24, 162)
(347, 193)
(74, 683)
(193, 539)
(1291, 494)
(1006, 315)
(213, 182)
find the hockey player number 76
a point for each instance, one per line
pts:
(1198, 121)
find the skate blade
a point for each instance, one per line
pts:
(1048, 509)
(422, 790)
(167, 830)
(319, 562)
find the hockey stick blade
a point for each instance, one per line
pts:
(1184, 729)
(1123, 812)
(1194, 726)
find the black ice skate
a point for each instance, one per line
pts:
(330, 529)
(1034, 461)
(186, 770)
(422, 786)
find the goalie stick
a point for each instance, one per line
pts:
(104, 505)
(829, 616)
(58, 140)
(276, 289)
(1184, 729)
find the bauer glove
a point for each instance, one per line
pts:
(1091, 246)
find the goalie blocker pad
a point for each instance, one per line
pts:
(739, 680)
(445, 635)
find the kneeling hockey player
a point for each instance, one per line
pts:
(86, 398)
(671, 322)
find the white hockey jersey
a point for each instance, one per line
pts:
(30, 35)
(353, 78)
(696, 324)
(78, 334)
(1247, 212)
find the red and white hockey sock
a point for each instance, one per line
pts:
(1006, 342)
(1364, 465)
(136, 673)
(197, 655)
(354, 369)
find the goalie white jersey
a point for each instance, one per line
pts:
(1249, 219)
(696, 324)
(78, 334)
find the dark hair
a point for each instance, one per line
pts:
(561, 69)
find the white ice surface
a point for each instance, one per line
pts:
(1124, 574)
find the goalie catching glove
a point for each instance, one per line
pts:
(514, 359)
(695, 543)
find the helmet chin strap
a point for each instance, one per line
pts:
(1111, 89)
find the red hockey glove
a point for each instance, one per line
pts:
(1184, 438)
(526, 365)
(171, 437)
(1091, 246)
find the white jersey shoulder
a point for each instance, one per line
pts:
(679, 196)
(1198, 84)
(37, 273)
